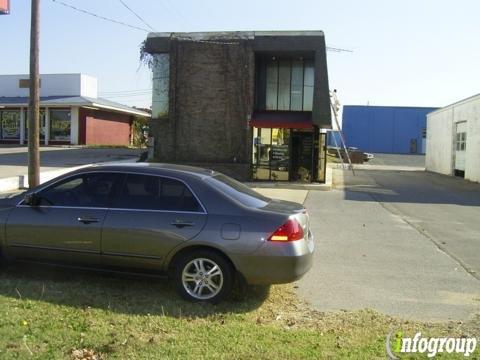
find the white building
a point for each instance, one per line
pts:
(453, 139)
(70, 112)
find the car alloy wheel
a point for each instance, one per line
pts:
(203, 276)
(202, 279)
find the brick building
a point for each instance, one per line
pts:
(70, 112)
(250, 104)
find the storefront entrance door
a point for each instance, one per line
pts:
(302, 155)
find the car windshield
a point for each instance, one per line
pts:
(238, 191)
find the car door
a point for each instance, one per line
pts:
(150, 216)
(65, 225)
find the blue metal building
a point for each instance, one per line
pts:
(385, 129)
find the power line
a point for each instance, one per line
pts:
(99, 16)
(328, 48)
(138, 16)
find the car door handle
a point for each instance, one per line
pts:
(87, 220)
(180, 223)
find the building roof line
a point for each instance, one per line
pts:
(59, 101)
(231, 35)
(446, 107)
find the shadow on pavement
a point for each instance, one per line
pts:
(70, 157)
(409, 187)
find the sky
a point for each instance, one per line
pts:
(405, 53)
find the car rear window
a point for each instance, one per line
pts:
(238, 191)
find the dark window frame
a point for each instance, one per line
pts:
(261, 81)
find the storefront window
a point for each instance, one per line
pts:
(279, 154)
(42, 124)
(271, 159)
(60, 124)
(10, 124)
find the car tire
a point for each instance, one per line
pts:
(203, 276)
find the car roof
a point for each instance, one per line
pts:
(152, 168)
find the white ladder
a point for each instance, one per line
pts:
(335, 105)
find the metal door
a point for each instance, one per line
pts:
(460, 146)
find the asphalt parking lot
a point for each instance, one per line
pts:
(398, 160)
(405, 243)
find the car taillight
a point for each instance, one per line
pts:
(290, 231)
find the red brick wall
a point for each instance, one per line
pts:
(98, 127)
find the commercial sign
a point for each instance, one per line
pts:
(4, 7)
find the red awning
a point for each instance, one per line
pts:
(282, 119)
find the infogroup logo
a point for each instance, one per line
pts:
(431, 346)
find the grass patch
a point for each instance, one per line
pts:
(52, 313)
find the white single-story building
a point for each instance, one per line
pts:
(70, 112)
(453, 139)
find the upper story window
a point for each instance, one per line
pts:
(285, 84)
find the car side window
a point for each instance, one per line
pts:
(85, 190)
(145, 192)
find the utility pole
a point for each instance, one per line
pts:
(34, 102)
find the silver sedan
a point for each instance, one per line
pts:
(201, 228)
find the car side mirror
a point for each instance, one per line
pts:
(32, 199)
